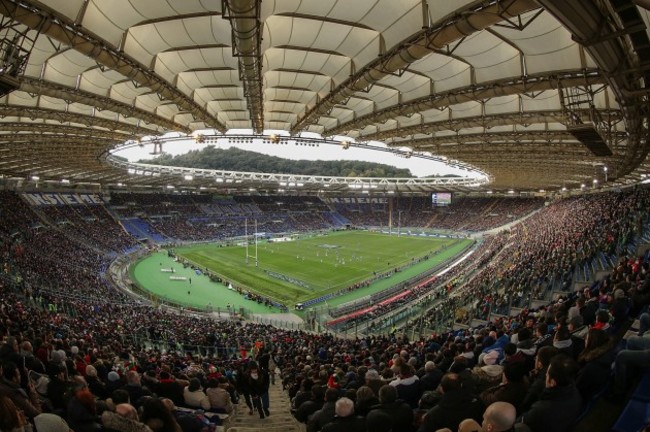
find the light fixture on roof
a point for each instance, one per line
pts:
(35, 178)
(188, 177)
(65, 181)
(170, 187)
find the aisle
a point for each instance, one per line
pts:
(280, 419)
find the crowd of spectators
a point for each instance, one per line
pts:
(464, 213)
(79, 338)
(540, 367)
(92, 224)
(513, 267)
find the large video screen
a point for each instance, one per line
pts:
(440, 199)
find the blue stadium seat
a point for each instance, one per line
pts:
(642, 392)
(633, 417)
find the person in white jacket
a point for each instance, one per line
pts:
(219, 396)
(194, 396)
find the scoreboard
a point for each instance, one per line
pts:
(440, 199)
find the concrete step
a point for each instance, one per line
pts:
(279, 420)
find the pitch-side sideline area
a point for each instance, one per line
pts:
(290, 272)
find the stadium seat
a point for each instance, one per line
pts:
(633, 417)
(642, 392)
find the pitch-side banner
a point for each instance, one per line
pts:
(43, 199)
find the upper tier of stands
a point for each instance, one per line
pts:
(464, 214)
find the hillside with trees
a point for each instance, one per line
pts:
(234, 159)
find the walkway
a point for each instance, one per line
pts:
(280, 419)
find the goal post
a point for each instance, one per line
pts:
(255, 237)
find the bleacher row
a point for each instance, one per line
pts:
(636, 414)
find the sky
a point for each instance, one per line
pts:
(419, 167)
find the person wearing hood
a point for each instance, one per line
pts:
(526, 346)
(513, 389)
(537, 377)
(562, 341)
(578, 333)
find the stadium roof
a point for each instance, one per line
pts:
(539, 94)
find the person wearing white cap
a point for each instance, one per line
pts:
(47, 422)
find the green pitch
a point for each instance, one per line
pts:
(296, 271)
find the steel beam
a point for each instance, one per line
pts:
(70, 94)
(464, 23)
(57, 26)
(480, 92)
(244, 16)
(488, 121)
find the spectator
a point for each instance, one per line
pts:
(47, 422)
(373, 380)
(390, 414)
(194, 396)
(158, 416)
(560, 402)
(513, 389)
(218, 396)
(431, 378)
(366, 399)
(11, 418)
(308, 408)
(326, 414)
(408, 386)
(345, 420)
(82, 411)
(258, 385)
(96, 386)
(135, 388)
(124, 419)
(456, 404)
(25, 400)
